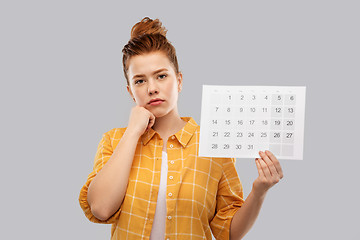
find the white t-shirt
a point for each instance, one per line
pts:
(158, 227)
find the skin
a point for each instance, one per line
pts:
(270, 173)
(166, 117)
(146, 82)
(107, 190)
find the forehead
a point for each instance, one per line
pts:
(147, 63)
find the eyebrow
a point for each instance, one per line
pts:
(157, 71)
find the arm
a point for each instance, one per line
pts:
(270, 173)
(107, 190)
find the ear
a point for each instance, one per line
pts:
(131, 94)
(180, 80)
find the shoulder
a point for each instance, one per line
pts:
(115, 133)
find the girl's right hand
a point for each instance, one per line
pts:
(140, 120)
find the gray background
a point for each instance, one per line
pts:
(62, 87)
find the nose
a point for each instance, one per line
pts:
(152, 87)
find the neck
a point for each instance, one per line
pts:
(168, 124)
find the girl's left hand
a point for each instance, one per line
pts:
(270, 172)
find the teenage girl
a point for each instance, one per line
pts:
(148, 180)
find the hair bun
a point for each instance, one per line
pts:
(148, 26)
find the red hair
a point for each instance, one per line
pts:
(148, 36)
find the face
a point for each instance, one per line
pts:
(152, 76)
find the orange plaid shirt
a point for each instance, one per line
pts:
(202, 193)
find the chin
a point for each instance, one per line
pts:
(159, 114)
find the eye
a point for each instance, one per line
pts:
(139, 81)
(162, 76)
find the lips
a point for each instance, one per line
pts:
(156, 101)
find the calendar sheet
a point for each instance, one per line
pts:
(240, 121)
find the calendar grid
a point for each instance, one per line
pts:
(239, 121)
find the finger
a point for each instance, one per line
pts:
(269, 164)
(265, 168)
(258, 166)
(275, 162)
(151, 120)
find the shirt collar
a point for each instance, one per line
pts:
(183, 136)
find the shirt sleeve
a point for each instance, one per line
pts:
(103, 154)
(228, 200)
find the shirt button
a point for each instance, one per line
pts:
(170, 194)
(173, 137)
(169, 217)
(172, 161)
(171, 177)
(171, 146)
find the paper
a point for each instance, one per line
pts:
(239, 121)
